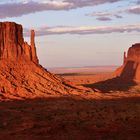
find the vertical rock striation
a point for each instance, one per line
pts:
(130, 70)
(11, 40)
(12, 44)
(21, 75)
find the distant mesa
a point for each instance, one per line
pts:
(130, 70)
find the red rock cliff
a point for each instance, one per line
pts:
(20, 74)
(130, 70)
(12, 45)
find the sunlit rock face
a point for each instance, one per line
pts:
(21, 75)
(12, 44)
(130, 70)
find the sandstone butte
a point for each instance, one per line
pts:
(130, 70)
(21, 75)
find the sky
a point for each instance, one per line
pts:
(77, 33)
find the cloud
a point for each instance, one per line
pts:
(22, 7)
(84, 30)
(83, 3)
(19, 9)
(118, 16)
(134, 10)
(105, 16)
(138, 1)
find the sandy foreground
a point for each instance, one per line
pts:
(106, 112)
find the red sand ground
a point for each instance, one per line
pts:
(67, 118)
(93, 116)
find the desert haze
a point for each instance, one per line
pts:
(87, 103)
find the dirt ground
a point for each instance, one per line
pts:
(70, 118)
(107, 113)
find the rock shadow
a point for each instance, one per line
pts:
(70, 118)
(121, 83)
(111, 85)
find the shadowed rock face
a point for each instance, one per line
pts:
(12, 45)
(130, 70)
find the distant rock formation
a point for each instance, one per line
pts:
(12, 45)
(21, 75)
(130, 70)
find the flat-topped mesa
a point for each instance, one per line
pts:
(12, 45)
(130, 70)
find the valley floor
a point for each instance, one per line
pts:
(107, 112)
(71, 118)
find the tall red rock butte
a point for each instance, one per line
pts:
(12, 44)
(130, 70)
(21, 75)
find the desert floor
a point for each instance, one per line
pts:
(109, 111)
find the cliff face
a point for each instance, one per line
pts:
(21, 75)
(12, 45)
(134, 53)
(130, 70)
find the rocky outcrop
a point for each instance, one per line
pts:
(130, 70)
(12, 44)
(21, 75)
